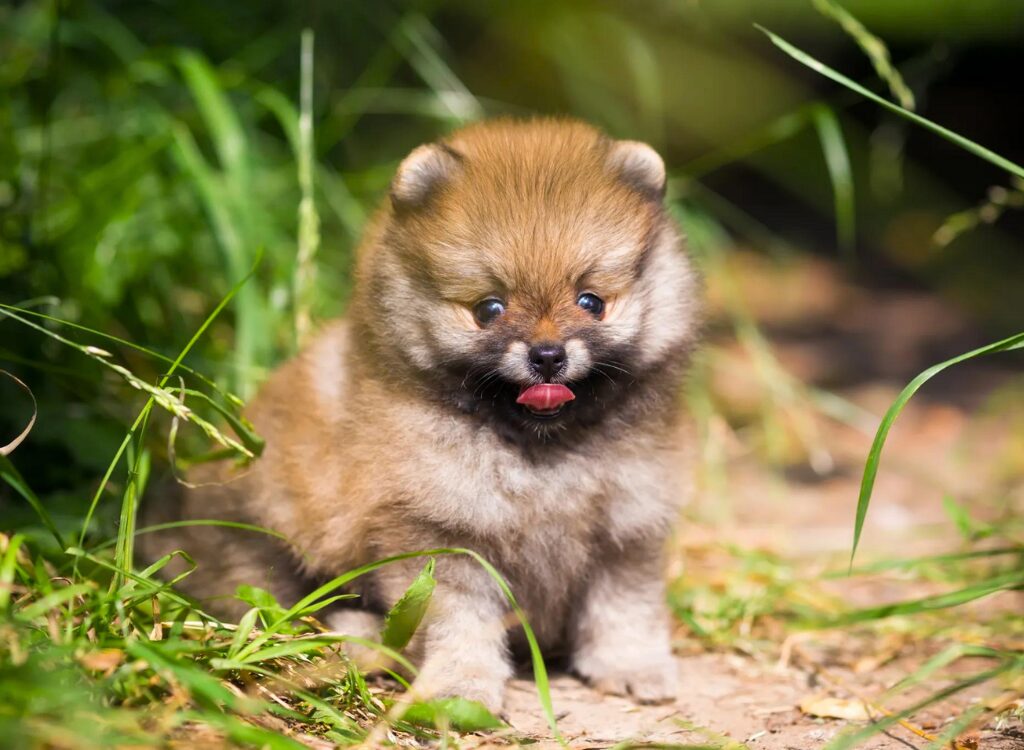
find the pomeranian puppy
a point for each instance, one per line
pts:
(507, 379)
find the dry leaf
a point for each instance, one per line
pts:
(1007, 701)
(106, 660)
(835, 708)
(969, 741)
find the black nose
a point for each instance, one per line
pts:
(547, 360)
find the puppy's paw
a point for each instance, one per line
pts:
(490, 693)
(648, 680)
(482, 682)
(365, 626)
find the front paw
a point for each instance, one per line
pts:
(483, 682)
(489, 692)
(647, 678)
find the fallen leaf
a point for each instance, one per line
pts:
(1004, 701)
(105, 660)
(969, 741)
(835, 708)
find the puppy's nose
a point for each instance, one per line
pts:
(547, 360)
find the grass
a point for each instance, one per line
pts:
(209, 163)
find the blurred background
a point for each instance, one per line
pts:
(152, 152)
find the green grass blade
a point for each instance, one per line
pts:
(14, 311)
(875, 453)
(239, 425)
(124, 550)
(965, 143)
(848, 740)
(872, 46)
(837, 160)
(199, 522)
(8, 448)
(204, 686)
(941, 660)
(419, 42)
(129, 575)
(308, 240)
(228, 136)
(15, 481)
(211, 190)
(1004, 582)
(53, 600)
(163, 381)
(916, 562)
(8, 568)
(284, 111)
(540, 672)
(403, 618)
(87, 521)
(458, 713)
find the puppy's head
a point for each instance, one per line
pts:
(527, 272)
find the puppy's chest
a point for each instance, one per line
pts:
(485, 489)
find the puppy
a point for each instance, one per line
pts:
(507, 379)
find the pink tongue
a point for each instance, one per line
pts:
(545, 396)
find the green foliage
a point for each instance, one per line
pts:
(404, 618)
(458, 713)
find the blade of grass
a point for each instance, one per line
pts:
(916, 562)
(419, 41)
(1004, 582)
(8, 568)
(53, 600)
(195, 522)
(21, 309)
(239, 424)
(404, 618)
(158, 393)
(875, 453)
(124, 551)
(965, 143)
(849, 740)
(872, 46)
(308, 219)
(13, 478)
(149, 404)
(943, 659)
(6, 450)
(837, 159)
(229, 236)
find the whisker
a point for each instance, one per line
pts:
(615, 365)
(597, 369)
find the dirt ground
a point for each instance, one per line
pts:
(961, 438)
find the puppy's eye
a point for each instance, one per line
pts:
(591, 303)
(487, 311)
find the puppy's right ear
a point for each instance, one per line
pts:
(421, 173)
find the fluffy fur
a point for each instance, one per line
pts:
(397, 429)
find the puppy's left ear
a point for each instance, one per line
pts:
(639, 166)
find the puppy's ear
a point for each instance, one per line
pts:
(421, 173)
(639, 166)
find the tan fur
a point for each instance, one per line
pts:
(373, 449)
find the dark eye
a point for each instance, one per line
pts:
(591, 303)
(487, 311)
